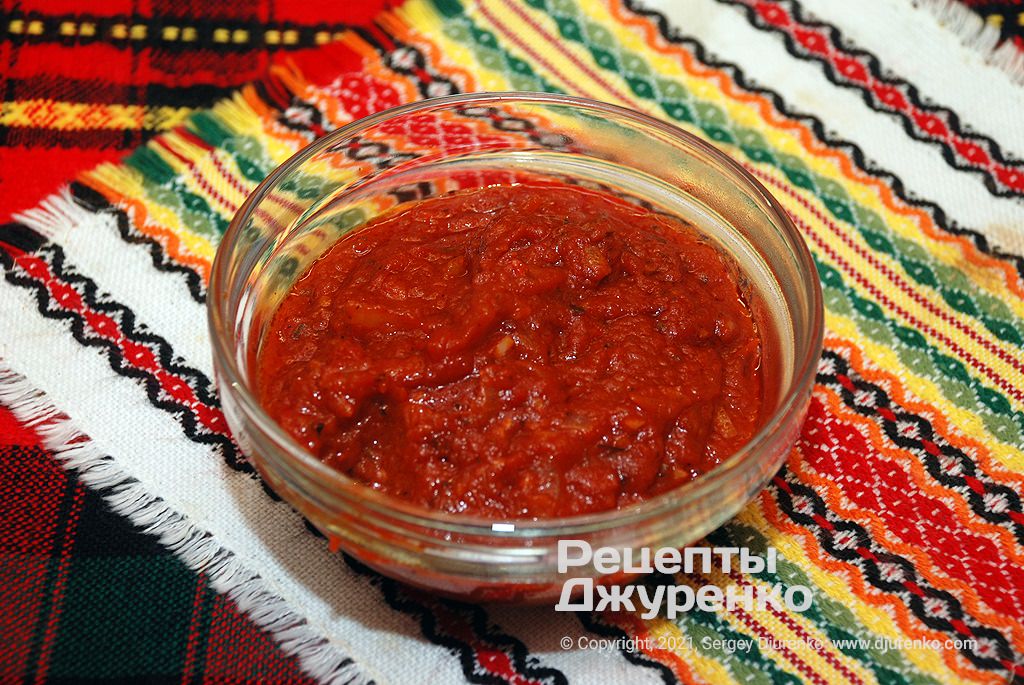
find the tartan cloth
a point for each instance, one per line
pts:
(921, 370)
(86, 595)
(84, 86)
(1006, 15)
(76, 93)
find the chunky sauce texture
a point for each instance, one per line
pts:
(517, 351)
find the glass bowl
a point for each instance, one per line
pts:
(368, 167)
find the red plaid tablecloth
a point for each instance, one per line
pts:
(84, 594)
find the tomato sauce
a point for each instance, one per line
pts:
(528, 351)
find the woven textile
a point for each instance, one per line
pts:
(85, 85)
(86, 595)
(1006, 15)
(900, 505)
(77, 91)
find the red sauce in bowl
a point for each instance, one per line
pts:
(517, 351)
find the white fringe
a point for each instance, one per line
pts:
(195, 547)
(56, 215)
(976, 34)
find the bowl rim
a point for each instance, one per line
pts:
(228, 373)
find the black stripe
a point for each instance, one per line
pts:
(873, 568)
(193, 96)
(637, 658)
(95, 202)
(669, 33)
(61, 531)
(87, 289)
(21, 237)
(1011, 14)
(188, 94)
(205, 32)
(871, 400)
(78, 139)
(992, 184)
(416, 604)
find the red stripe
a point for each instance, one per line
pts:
(193, 138)
(557, 44)
(278, 198)
(852, 69)
(765, 634)
(893, 277)
(200, 180)
(177, 155)
(134, 353)
(203, 183)
(193, 629)
(526, 48)
(381, 36)
(837, 450)
(238, 650)
(788, 621)
(59, 584)
(1011, 389)
(33, 485)
(782, 484)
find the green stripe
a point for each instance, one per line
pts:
(746, 665)
(951, 284)
(205, 125)
(163, 186)
(146, 161)
(252, 159)
(195, 213)
(488, 51)
(108, 619)
(835, 620)
(953, 378)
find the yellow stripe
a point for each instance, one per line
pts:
(129, 183)
(789, 637)
(837, 587)
(242, 120)
(167, 33)
(569, 77)
(965, 420)
(711, 670)
(426, 20)
(914, 312)
(82, 116)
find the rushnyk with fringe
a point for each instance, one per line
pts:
(195, 547)
(939, 44)
(976, 35)
(900, 505)
(847, 66)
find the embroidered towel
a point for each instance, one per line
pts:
(895, 148)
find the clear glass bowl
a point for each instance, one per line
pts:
(404, 154)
